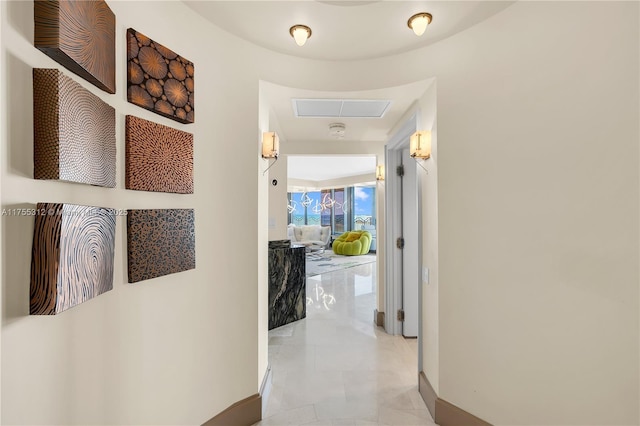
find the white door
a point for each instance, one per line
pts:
(410, 258)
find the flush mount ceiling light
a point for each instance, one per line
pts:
(418, 22)
(300, 34)
(337, 130)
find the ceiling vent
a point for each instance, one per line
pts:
(337, 130)
(340, 108)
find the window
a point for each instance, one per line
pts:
(304, 208)
(364, 206)
(344, 209)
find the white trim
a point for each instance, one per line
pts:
(393, 260)
(265, 389)
(420, 266)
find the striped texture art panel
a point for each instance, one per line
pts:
(158, 158)
(160, 242)
(74, 132)
(72, 258)
(80, 35)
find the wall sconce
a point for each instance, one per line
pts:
(420, 145)
(270, 145)
(300, 34)
(418, 22)
(380, 172)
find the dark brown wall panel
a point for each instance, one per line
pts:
(74, 132)
(160, 242)
(158, 158)
(72, 257)
(80, 35)
(158, 79)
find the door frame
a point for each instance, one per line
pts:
(393, 215)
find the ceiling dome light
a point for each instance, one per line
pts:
(418, 22)
(300, 34)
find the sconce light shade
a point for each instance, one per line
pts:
(300, 34)
(420, 145)
(418, 22)
(380, 172)
(270, 145)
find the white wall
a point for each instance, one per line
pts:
(538, 212)
(429, 223)
(278, 200)
(311, 185)
(173, 350)
(264, 235)
(381, 238)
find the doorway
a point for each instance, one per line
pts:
(403, 254)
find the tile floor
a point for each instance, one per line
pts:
(335, 367)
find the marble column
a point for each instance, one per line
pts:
(287, 283)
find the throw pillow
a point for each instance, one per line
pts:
(353, 236)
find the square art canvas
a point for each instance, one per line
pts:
(158, 79)
(81, 36)
(72, 256)
(74, 132)
(160, 242)
(158, 158)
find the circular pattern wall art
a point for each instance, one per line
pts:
(79, 35)
(72, 256)
(158, 79)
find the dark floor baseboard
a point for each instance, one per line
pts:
(429, 396)
(378, 318)
(243, 413)
(444, 413)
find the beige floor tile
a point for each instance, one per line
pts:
(405, 417)
(298, 416)
(336, 368)
(343, 410)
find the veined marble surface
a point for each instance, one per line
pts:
(287, 282)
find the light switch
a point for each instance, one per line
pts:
(425, 275)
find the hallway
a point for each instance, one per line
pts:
(335, 367)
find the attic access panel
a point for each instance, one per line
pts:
(336, 108)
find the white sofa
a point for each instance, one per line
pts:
(372, 231)
(309, 235)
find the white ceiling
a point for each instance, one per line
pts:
(292, 129)
(328, 167)
(341, 31)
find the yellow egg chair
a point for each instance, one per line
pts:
(352, 243)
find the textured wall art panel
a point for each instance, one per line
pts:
(160, 242)
(74, 132)
(79, 35)
(72, 257)
(158, 158)
(159, 79)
